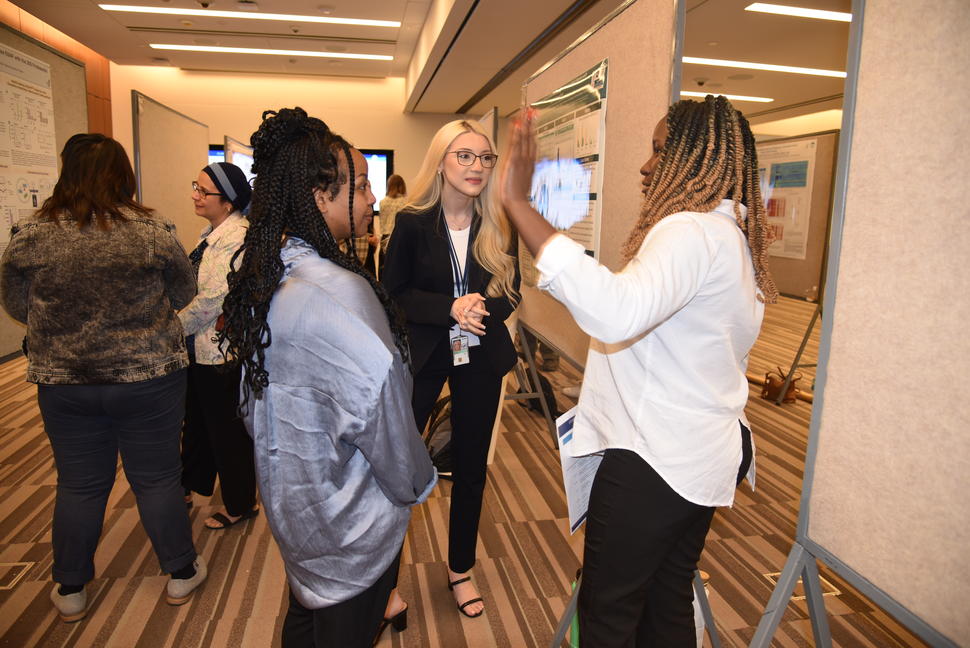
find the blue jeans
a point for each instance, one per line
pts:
(87, 426)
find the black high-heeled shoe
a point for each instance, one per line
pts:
(399, 622)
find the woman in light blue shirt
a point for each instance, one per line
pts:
(326, 384)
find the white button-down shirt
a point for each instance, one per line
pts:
(199, 318)
(671, 332)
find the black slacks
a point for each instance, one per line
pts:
(348, 624)
(643, 542)
(475, 390)
(214, 439)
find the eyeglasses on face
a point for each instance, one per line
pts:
(467, 158)
(197, 188)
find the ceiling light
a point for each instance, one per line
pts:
(276, 52)
(175, 11)
(799, 12)
(685, 93)
(763, 66)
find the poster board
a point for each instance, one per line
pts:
(638, 40)
(798, 257)
(68, 95)
(241, 155)
(170, 151)
(884, 501)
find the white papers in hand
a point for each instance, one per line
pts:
(577, 472)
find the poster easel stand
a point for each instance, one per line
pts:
(798, 356)
(531, 384)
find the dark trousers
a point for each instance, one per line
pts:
(643, 542)
(475, 390)
(214, 439)
(87, 426)
(348, 624)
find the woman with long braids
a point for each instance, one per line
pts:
(451, 265)
(664, 390)
(326, 387)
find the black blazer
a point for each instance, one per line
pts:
(417, 274)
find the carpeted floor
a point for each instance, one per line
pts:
(527, 558)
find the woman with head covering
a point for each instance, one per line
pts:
(451, 265)
(664, 389)
(97, 278)
(214, 440)
(326, 384)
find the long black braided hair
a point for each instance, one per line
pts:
(293, 154)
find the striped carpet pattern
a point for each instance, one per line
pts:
(527, 558)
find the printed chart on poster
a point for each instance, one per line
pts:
(28, 152)
(570, 131)
(786, 170)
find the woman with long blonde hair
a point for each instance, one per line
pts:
(451, 266)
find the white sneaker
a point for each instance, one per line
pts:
(71, 607)
(572, 391)
(179, 590)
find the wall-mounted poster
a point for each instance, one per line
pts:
(28, 150)
(571, 135)
(787, 170)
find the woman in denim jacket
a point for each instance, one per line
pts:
(97, 279)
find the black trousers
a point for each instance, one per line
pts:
(214, 439)
(643, 542)
(475, 390)
(348, 624)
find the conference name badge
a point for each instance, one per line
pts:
(459, 350)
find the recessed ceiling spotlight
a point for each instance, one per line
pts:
(272, 52)
(713, 43)
(685, 93)
(763, 66)
(186, 23)
(251, 16)
(247, 5)
(798, 12)
(326, 10)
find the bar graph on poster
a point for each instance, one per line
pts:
(787, 170)
(28, 151)
(570, 132)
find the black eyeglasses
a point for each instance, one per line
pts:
(202, 192)
(467, 158)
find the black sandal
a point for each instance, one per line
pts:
(399, 622)
(225, 522)
(462, 606)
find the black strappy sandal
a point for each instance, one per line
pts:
(462, 606)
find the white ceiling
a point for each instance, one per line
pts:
(465, 55)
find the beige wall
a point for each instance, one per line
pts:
(368, 112)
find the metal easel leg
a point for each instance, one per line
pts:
(534, 379)
(701, 593)
(798, 356)
(567, 616)
(780, 597)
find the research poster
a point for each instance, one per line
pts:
(571, 136)
(786, 170)
(28, 150)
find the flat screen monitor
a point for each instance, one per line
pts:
(380, 167)
(217, 153)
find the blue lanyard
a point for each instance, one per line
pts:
(459, 275)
